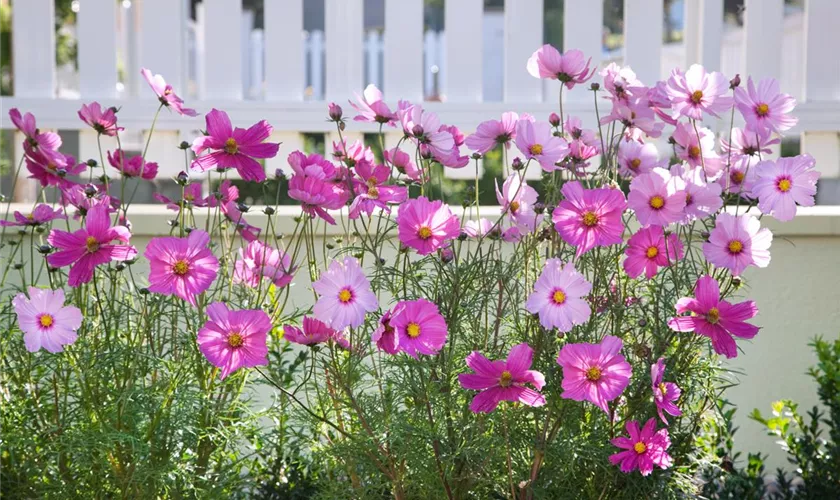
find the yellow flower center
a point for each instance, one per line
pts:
(167, 91)
(762, 109)
(189, 197)
(412, 330)
(92, 244)
(30, 217)
(345, 295)
(652, 252)
(535, 149)
(235, 340)
(657, 202)
(231, 147)
(634, 164)
(737, 176)
(688, 198)
(713, 316)
(697, 96)
(373, 193)
(694, 152)
(506, 379)
(514, 206)
(640, 447)
(784, 185)
(662, 388)
(590, 219)
(46, 320)
(425, 232)
(180, 268)
(735, 246)
(52, 166)
(593, 374)
(558, 297)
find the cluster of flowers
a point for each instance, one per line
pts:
(586, 218)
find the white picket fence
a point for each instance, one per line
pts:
(274, 87)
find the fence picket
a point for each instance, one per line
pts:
(33, 48)
(643, 38)
(223, 46)
(404, 50)
(343, 24)
(583, 27)
(463, 80)
(523, 34)
(703, 32)
(284, 57)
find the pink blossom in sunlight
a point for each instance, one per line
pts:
(696, 92)
(558, 296)
(570, 67)
(102, 121)
(504, 380)
(231, 340)
(783, 184)
(45, 321)
(166, 95)
(737, 242)
(597, 373)
(234, 148)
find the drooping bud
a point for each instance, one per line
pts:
(735, 82)
(243, 207)
(595, 86)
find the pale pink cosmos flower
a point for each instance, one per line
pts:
(635, 158)
(664, 393)
(570, 67)
(372, 108)
(494, 229)
(259, 261)
(426, 225)
(746, 142)
(740, 177)
(622, 83)
(231, 340)
(719, 320)
(636, 115)
(701, 198)
(234, 148)
(103, 122)
(420, 327)
(134, 166)
(492, 133)
(75, 196)
(372, 190)
(587, 218)
(574, 127)
(536, 141)
(737, 242)
(184, 267)
(643, 449)
(597, 373)
(314, 332)
(696, 92)
(503, 380)
(52, 169)
(36, 141)
(517, 200)
(649, 249)
(425, 129)
(765, 107)
(401, 161)
(90, 246)
(344, 295)
(166, 94)
(45, 320)
(657, 197)
(352, 153)
(316, 196)
(698, 153)
(41, 214)
(558, 296)
(782, 184)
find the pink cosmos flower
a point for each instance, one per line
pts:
(657, 197)
(234, 148)
(41, 214)
(372, 108)
(90, 246)
(717, 319)
(517, 200)
(649, 249)
(765, 107)
(313, 165)
(401, 160)
(231, 340)
(737, 242)
(493, 229)
(503, 380)
(694, 92)
(425, 129)
(579, 154)
(372, 190)
(52, 169)
(344, 295)
(697, 152)
(664, 393)
(166, 94)
(313, 332)
(426, 225)
(316, 196)
(134, 166)
(557, 296)
(83, 199)
(642, 449)
(637, 116)
(352, 153)
(493, 133)
(661, 103)
(536, 141)
(192, 197)
(594, 372)
(420, 327)
(184, 267)
(746, 142)
(782, 184)
(47, 143)
(574, 127)
(635, 158)
(104, 122)
(258, 260)
(45, 320)
(570, 67)
(622, 84)
(740, 177)
(385, 335)
(587, 218)
(701, 199)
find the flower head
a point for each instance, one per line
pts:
(698, 152)
(46, 143)
(166, 94)
(569, 68)
(420, 327)
(401, 160)
(52, 169)
(649, 249)
(657, 197)
(192, 197)
(517, 200)
(231, 340)
(344, 295)
(557, 296)
(313, 332)
(258, 260)
(737, 242)
(103, 122)
(587, 218)
(643, 449)
(747, 142)
(184, 267)
(739, 178)
(597, 373)
(234, 148)
(536, 141)
(764, 107)
(385, 335)
(316, 196)
(426, 225)
(701, 199)
(45, 320)
(134, 166)
(782, 184)
(41, 214)
(372, 190)
(696, 92)
(664, 393)
(372, 108)
(503, 380)
(492, 133)
(636, 158)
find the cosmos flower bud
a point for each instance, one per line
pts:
(417, 131)
(554, 119)
(243, 207)
(183, 178)
(735, 82)
(91, 163)
(44, 249)
(184, 145)
(90, 190)
(517, 164)
(595, 86)
(335, 112)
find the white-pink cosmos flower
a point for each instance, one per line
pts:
(782, 184)
(45, 320)
(559, 296)
(344, 295)
(696, 92)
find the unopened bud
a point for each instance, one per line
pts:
(643, 322)
(268, 210)
(172, 222)
(425, 151)
(279, 173)
(120, 266)
(335, 112)
(61, 172)
(184, 145)
(220, 169)
(735, 82)
(554, 119)
(517, 164)
(183, 178)
(417, 131)
(595, 86)
(91, 163)
(243, 207)
(476, 156)
(539, 207)
(462, 236)
(90, 190)
(44, 249)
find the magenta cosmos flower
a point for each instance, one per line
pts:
(649, 249)
(316, 196)
(231, 340)
(134, 166)
(537, 142)
(372, 190)
(258, 260)
(104, 122)
(426, 130)
(36, 141)
(782, 184)
(313, 332)
(643, 449)
(570, 67)
(426, 225)
(701, 199)
(587, 218)
(166, 94)
(372, 108)
(41, 214)
(184, 267)
(594, 372)
(503, 380)
(557, 296)
(45, 320)
(90, 246)
(52, 169)
(344, 295)
(657, 197)
(401, 160)
(385, 335)
(696, 92)
(517, 200)
(419, 326)
(636, 158)
(192, 197)
(234, 148)
(765, 107)
(737, 242)
(664, 393)
(493, 133)
(717, 319)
